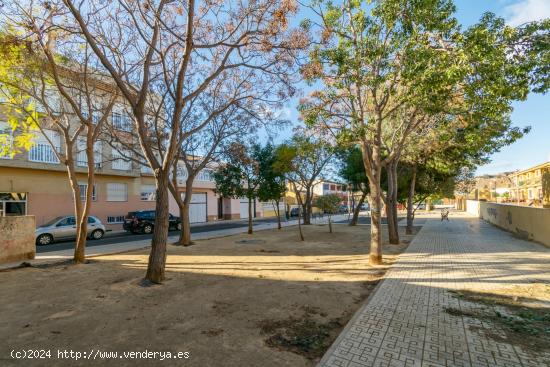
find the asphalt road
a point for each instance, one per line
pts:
(119, 237)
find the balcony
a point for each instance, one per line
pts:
(43, 153)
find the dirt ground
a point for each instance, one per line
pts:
(246, 300)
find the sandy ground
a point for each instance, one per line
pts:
(223, 302)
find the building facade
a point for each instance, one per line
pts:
(524, 187)
(34, 182)
(528, 185)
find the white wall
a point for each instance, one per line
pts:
(472, 207)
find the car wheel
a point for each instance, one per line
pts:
(44, 239)
(147, 229)
(97, 234)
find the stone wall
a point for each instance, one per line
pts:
(523, 221)
(17, 241)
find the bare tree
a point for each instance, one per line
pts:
(204, 148)
(70, 96)
(163, 54)
(303, 160)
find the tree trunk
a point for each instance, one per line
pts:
(278, 213)
(157, 256)
(307, 208)
(410, 202)
(357, 209)
(375, 257)
(391, 203)
(299, 224)
(185, 234)
(249, 216)
(81, 221)
(79, 256)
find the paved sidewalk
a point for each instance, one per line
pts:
(404, 323)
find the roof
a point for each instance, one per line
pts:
(542, 165)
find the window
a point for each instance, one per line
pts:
(326, 187)
(148, 192)
(117, 192)
(205, 175)
(68, 221)
(84, 110)
(91, 220)
(115, 219)
(42, 150)
(120, 161)
(6, 139)
(146, 169)
(121, 121)
(83, 187)
(82, 158)
(13, 203)
(181, 174)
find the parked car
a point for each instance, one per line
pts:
(65, 228)
(294, 212)
(364, 206)
(143, 221)
(343, 209)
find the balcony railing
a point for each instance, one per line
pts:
(42, 153)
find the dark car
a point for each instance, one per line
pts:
(343, 209)
(143, 221)
(294, 212)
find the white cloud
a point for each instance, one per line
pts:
(524, 11)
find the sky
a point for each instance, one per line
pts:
(533, 148)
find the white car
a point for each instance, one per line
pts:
(65, 228)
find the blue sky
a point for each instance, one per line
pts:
(532, 149)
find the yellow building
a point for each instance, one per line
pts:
(527, 188)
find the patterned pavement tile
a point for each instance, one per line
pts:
(407, 322)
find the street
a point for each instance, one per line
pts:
(118, 237)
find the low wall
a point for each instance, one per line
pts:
(17, 240)
(525, 222)
(472, 207)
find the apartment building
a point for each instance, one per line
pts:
(34, 182)
(527, 185)
(331, 188)
(320, 188)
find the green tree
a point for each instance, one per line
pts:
(272, 185)
(240, 176)
(352, 170)
(404, 67)
(17, 106)
(304, 159)
(546, 188)
(329, 204)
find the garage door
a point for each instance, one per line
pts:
(244, 208)
(197, 208)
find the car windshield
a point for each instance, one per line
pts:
(51, 222)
